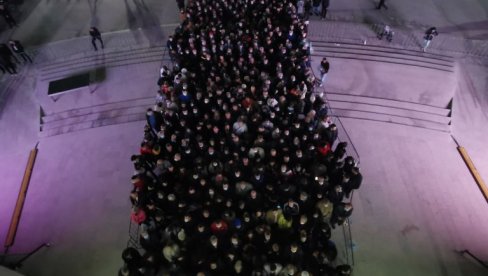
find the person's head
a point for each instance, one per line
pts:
(355, 170)
(214, 241)
(290, 202)
(293, 248)
(206, 213)
(234, 240)
(338, 188)
(200, 228)
(187, 218)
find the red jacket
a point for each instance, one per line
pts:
(138, 217)
(324, 150)
(138, 183)
(215, 229)
(146, 150)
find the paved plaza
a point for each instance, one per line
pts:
(417, 207)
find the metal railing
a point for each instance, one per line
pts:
(478, 260)
(7, 260)
(341, 128)
(346, 227)
(135, 229)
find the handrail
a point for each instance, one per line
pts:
(350, 242)
(357, 157)
(347, 238)
(478, 260)
(134, 229)
(19, 263)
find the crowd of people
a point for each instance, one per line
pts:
(240, 171)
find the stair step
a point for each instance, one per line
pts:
(390, 119)
(108, 63)
(380, 49)
(403, 113)
(101, 61)
(381, 102)
(85, 111)
(390, 60)
(127, 118)
(385, 54)
(94, 117)
(89, 57)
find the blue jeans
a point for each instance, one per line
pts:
(316, 10)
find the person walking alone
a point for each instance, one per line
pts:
(7, 15)
(382, 4)
(325, 6)
(429, 35)
(96, 35)
(17, 47)
(324, 70)
(316, 7)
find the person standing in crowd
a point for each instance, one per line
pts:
(181, 5)
(340, 213)
(301, 9)
(308, 9)
(324, 70)
(7, 15)
(381, 4)
(429, 35)
(325, 6)
(96, 35)
(17, 48)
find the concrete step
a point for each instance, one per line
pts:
(383, 110)
(382, 54)
(126, 118)
(397, 55)
(65, 68)
(95, 116)
(75, 120)
(386, 118)
(375, 102)
(49, 118)
(381, 49)
(88, 57)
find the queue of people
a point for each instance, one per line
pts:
(240, 171)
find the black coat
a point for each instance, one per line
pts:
(17, 47)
